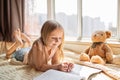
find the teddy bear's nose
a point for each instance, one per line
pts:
(95, 35)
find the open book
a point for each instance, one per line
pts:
(79, 72)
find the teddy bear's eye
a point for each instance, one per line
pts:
(95, 35)
(101, 34)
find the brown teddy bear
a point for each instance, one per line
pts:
(99, 52)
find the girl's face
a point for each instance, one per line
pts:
(54, 38)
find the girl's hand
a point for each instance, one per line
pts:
(66, 67)
(63, 67)
(70, 66)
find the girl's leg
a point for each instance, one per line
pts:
(18, 43)
(14, 46)
(12, 49)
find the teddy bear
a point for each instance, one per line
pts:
(99, 52)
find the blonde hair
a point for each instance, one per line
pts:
(48, 27)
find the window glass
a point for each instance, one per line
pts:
(99, 15)
(66, 14)
(35, 16)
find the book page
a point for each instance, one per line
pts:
(84, 71)
(57, 75)
(79, 72)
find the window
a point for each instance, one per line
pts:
(99, 15)
(79, 18)
(35, 16)
(66, 14)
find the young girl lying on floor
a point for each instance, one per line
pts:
(46, 52)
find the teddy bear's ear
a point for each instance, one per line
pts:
(108, 34)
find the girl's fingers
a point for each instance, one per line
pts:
(67, 67)
(71, 65)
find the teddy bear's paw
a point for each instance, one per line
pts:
(84, 57)
(97, 60)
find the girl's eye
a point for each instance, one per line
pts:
(60, 38)
(53, 38)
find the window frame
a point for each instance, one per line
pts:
(51, 15)
(117, 38)
(118, 21)
(79, 9)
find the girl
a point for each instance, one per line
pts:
(46, 52)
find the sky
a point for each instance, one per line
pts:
(40, 6)
(67, 6)
(106, 9)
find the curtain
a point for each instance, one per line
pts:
(11, 17)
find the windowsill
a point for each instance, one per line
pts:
(84, 41)
(87, 42)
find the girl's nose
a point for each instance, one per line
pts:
(57, 39)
